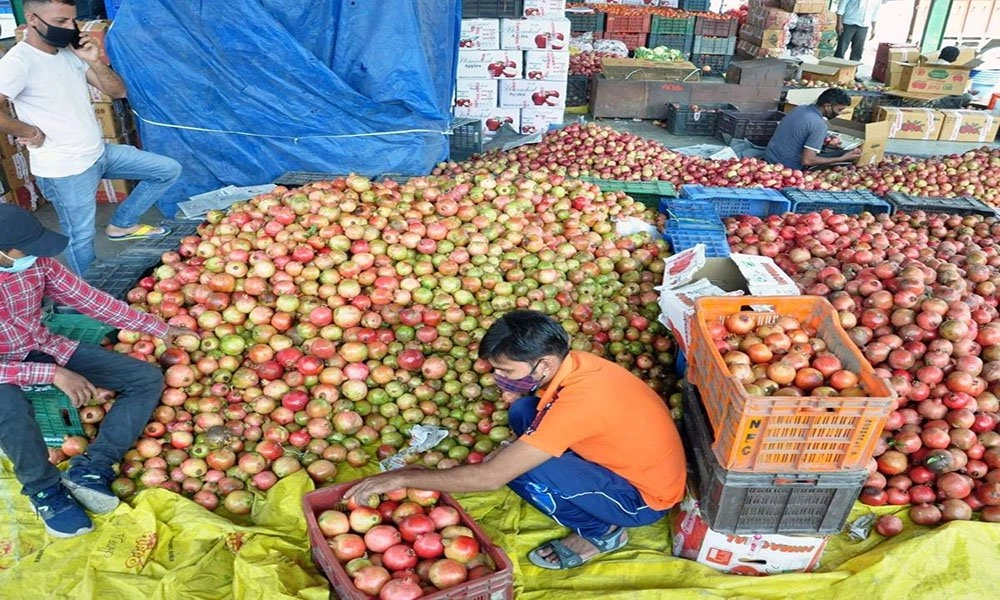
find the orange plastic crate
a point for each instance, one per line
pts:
(497, 586)
(627, 23)
(781, 434)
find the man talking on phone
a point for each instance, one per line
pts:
(46, 77)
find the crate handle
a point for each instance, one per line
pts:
(796, 481)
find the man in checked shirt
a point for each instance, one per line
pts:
(31, 355)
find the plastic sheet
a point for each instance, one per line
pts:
(240, 92)
(162, 546)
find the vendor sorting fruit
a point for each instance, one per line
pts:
(799, 138)
(596, 449)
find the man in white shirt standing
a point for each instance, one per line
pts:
(46, 77)
(855, 19)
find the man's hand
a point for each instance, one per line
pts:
(840, 29)
(364, 490)
(35, 141)
(89, 49)
(175, 331)
(871, 32)
(74, 385)
(852, 155)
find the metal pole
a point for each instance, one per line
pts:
(937, 20)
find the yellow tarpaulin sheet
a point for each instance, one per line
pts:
(162, 546)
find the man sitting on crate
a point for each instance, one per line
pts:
(46, 78)
(799, 138)
(596, 450)
(31, 355)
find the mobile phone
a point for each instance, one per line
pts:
(76, 41)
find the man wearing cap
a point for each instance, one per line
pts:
(46, 78)
(31, 355)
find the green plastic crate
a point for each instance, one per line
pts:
(56, 415)
(77, 327)
(672, 25)
(647, 192)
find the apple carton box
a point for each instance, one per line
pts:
(688, 276)
(875, 136)
(546, 64)
(534, 34)
(752, 554)
(476, 93)
(489, 64)
(534, 120)
(544, 8)
(480, 34)
(531, 93)
(493, 118)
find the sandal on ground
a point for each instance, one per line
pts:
(567, 559)
(143, 232)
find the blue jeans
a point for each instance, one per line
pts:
(74, 196)
(139, 386)
(575, 492)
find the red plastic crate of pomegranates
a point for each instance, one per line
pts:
(496, 585)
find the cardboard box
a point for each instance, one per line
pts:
(113, 117)
(98, 30)
(805, 7)
(688, 275)
(493, 118)
(544, 8)
(882, 54)
(8, 143)
(532, 93)
(969, 126)
(821, 72)
(847, 69)
(912, 123)
(489, 64)
(546, 64)
(129, 138)
(927, 78)
(534, 120)
(97, 96)
(480, 34)
(18, 181)
(875, 136)
(534, 34)
(113, 191)
(765, 38)
(769, 18)
(763, 72)
(757, 554)
(748, 48)
(476, 93)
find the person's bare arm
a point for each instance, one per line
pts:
(810, 158)
(99, 75)
(28, 135)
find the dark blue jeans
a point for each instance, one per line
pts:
(139, 386)
(575, 492)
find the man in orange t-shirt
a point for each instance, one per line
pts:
(597, 450)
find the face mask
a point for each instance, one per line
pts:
(20, 264)
(59, 37)
(524, 385)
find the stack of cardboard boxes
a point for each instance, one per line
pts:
(777, 27)
(17, 185)
(514, 71)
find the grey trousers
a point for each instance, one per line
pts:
(855, 36)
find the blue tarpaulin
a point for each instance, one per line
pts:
(242, 91)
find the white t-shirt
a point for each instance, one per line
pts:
(49, 91)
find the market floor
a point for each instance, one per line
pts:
(103, 247)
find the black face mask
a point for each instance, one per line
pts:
(59, 37)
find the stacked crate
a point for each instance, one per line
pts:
(17, 184)
(775, 27)
(514, 70)
(714, 43)
(771, 463)
(632, 29)
(673, 32)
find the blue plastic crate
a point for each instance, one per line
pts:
(687, 209)
(739, 201)
(847, 203)
(686, 234)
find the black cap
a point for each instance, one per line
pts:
(20, 230)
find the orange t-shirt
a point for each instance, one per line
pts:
(610, 417)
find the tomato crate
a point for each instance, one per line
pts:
(465, 139)
(672, 25)
(496, 586)
(963, 205)
(682, 119)
(761, 503)
(779, 434)
(718, 65)
(695, 5)
(716, 27)
(578, 90)
(678, 41)
(492, 9)
(684, 234)
(77, 327)
(647, 192)
(627, 23)
(704, 44)
(739, 201)
(585, 21)
(848, 203)
(631, 40)
(755, 127)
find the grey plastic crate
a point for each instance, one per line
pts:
(963, 205)
(704, 44)
(466, 139)
(750, 503)
(116, 276)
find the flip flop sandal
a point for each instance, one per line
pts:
(569, 559)
(144, 232)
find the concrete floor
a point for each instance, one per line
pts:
(103, 247)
